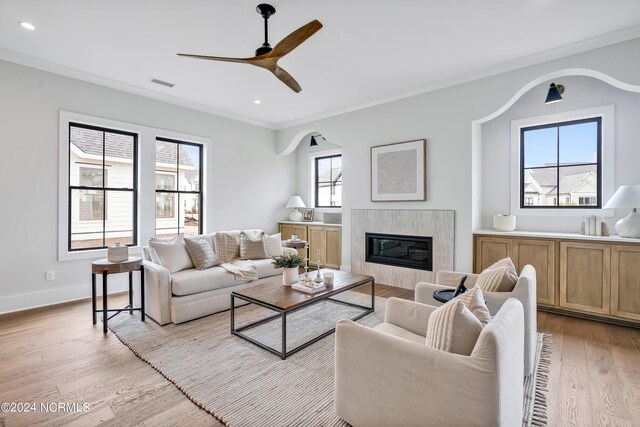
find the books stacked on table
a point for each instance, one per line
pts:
(309, 287)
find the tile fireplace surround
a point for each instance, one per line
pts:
(438, 224)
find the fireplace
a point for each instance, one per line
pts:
(399, 250)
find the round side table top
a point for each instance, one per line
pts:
(104, 265)
(294, 243)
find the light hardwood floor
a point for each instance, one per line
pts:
(55, 355)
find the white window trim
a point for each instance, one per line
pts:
(312, 179)
(607, 113)
(146, 179)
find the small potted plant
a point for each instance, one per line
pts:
(290, 264)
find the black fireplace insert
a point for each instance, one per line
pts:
(399, 250)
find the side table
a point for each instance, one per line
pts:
(106, 267)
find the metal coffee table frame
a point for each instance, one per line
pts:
(283, 315)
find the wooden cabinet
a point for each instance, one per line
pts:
(596, 278)
(625, 281)
(326, 238)
(585, 274)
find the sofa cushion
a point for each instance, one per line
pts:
(274, 245)
(201, 252)
(172, 254)
(265, 268)
(474, 300)
(252, 245)
(399, 332)
(453, 328)
(193, 281)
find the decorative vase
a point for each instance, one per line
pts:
(504, 222)
(289, 276)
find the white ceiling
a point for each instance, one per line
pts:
(368, 51)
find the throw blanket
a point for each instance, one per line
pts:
(245, 270)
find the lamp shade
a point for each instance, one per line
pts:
(295, 202)
(627, 196)
(554, 94)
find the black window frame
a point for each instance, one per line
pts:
(316, 182)
(558, 165)
(177, 192)
(103, 188)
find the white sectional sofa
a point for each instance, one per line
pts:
(189, 294)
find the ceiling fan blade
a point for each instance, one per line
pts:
(219, 58)
(286, 78)
(295, 39)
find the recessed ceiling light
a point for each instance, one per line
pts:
(27, 25)
(256, 101)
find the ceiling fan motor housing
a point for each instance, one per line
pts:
(265, 10)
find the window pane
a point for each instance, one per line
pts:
(119, 159)
(336, 197)
(540, 187)
(166, 164)
(336, 168)
(579, 143)
(324, 170)
(165, 205)
(165, 181)
(189, 214)
(85, 147)
(324, 194)
(579, 182)
(189, 167)
(91, 177)
(119, 221)
(86, 218)
(540, 147)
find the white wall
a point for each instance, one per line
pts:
(580, 92)
(303, 177)
(444, 117)
(247, 184)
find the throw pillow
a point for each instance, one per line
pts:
(494, 280)
(474, 301)
(153, 255)
(201, 252)
(252, 245)
(226, 245)
(453, 328)
(510, 279)
(274, 245)
(172, 254)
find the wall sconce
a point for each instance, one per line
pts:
(314, 143)
(554, 94)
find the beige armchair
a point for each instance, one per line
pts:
(387, 376)
(524, 291)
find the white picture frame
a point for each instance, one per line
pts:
(398, 172)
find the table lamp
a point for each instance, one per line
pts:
(627, 197)
(294, 203)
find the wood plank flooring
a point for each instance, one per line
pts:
(56, 355)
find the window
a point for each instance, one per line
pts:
(95, 154)
(328, 181)
(561, 165)
(178, 188)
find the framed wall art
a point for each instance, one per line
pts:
(398, 172)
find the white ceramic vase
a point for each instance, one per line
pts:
(289, 276)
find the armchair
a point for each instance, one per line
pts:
(388, 376)
(524, 291)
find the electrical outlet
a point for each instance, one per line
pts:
(51, 275)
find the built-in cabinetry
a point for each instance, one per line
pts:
(326, 238)
(575, 274)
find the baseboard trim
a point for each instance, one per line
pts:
(619, 322)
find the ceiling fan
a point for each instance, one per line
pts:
(266, 56)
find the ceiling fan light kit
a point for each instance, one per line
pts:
(266, 56)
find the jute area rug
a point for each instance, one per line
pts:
(243, 385)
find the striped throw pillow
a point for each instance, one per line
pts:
(474, 301)
(201, 252)
(453, 328)
(511, 277)
(492, 279)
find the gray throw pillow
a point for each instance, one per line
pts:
(201, 252)
(253, 245)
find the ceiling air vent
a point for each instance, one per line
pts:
(162, 83)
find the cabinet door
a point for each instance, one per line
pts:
(317, 242)
(488, 250)
(625, 281)
(585, 276)
(541, 255)
(333, 251)
(286, 230)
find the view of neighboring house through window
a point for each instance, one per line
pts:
(102, 187)
(561, 165)
(178, 188)
(328, 181)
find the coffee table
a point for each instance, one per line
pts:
(284, 300)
